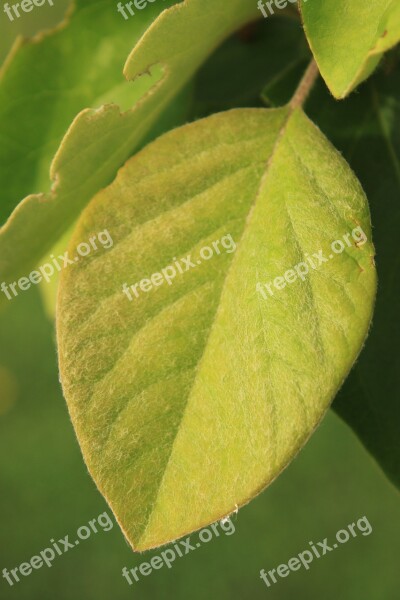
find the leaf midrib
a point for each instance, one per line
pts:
(263, 178)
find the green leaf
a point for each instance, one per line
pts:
(349, 38)
(99, 140)
(38, 21)
(45, 83)
(192, 397)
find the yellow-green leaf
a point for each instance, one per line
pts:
(348, 38)
(191, 397)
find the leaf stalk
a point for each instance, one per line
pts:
(305, 86)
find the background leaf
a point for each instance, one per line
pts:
(348, 38)
(201, 392)
(44, 83)
(79, 168)
(31, 24)
(47, 81)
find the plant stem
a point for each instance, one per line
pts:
(305, 85)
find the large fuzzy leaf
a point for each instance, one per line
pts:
(192, 397)
(348, 38)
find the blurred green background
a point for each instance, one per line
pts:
(46, 492)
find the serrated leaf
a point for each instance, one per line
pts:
(349, 38)
(46, 82)
(191, 398)
(38, 21)
(100, 140)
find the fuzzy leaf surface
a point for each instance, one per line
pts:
(191, 398)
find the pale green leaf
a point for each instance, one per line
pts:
(192, 397)
(38, 21)
(348, 38)
(46, 82)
